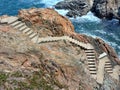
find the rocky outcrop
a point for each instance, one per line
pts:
(75, 7)
(47, 19)
(55, 65)
(108, 9)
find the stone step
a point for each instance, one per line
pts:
(108, 66)
(23, 28)
(12, 19)
(91, 61)
(91, 57)
(30, 32)
(109, 71)
(19, 25)
(26, 30)
(15, 23)
(91, 64)
(93, 72)
(32, 35)
(90, 53)
(94, 69)
(9, 20)
(107, 62)
(35, 39)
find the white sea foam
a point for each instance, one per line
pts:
(101, 31)
(87, 18)
(62, 12)
(51, 3)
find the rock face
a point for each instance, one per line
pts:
(75, 7)
(106, 8)
(101, 8)
(54, 65)
(47, 18)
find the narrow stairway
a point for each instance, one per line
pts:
(91, 60)
(14, 22)
(108, 67)
(23, 28)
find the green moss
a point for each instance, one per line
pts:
(38, 81)
(3, 78)
(17, 74)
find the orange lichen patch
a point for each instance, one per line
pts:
(38, 16)
(50, 20)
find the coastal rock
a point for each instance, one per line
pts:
(47, 19)
(75, 7)
(51, 65)
(106, 8)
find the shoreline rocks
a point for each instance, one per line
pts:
(109, 9)
(75, 7)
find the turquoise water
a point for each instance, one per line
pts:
(88, 24)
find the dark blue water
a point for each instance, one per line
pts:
(11, 7)
(89, 24)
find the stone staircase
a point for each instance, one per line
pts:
(97, 72)
(24, 29)
(108, 67)
(91, 60)
(13, 21)
(105, 65)
(66, 38)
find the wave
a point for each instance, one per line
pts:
(62, 12)
(87, 18)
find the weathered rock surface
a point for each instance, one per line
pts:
(58, 65)
(47, 19)
(108, 9)
(75, 7)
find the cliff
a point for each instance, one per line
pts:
(39, 50)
